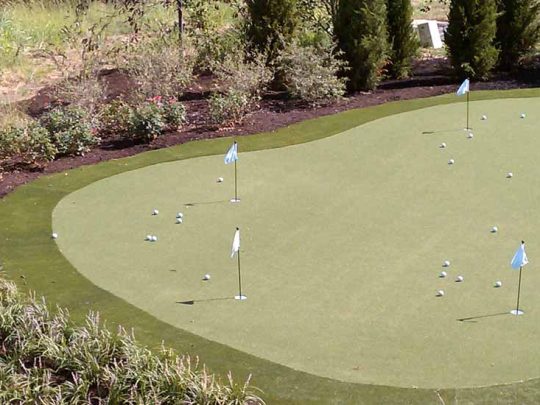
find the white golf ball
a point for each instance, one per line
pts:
(443, 145)
(220, 179)
(443, 274)
(154, 238)
(206, 277)
(446, 263)
(470, 135)
(494, 229)
(179, 215)
(54, 235)
(509, 175)
(484, 117)
(179, 220)
(498, 284)
(148, 237)
(522, 115)
(440, 293)
(155, 212)
(459, 279)
(451, 161)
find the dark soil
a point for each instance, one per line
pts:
(431, 78)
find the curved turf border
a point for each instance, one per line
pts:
(33, 260)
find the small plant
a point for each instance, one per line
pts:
(148, 122)
(70, 130)
(174, 113)
(229, 107)
(27, 145)
(116, 118)
(311, 73)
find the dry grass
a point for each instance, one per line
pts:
(430, 10)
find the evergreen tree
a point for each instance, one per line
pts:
(360, 31)
(403, 40)
(518, 30)
(470, 37)
(271, 25)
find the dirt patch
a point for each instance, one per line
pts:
(431, 79)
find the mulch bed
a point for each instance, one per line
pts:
(430, 78)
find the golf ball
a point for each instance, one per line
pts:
(498, 284)
(179, 220)
(148, 237)
(440, 293)
(470, 135)
(443, 145)
(179, 215)
(446, 263)
(443, 274)
(154, 238)
(522, 115)
(509, 175)
(206, 277)
(54, 235)
(451, 162)
(494, 229)
(484, 117)
(155, 212)
(459, 279)
(220, 179)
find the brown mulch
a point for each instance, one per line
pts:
(430, 79)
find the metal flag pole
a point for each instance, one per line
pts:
(518, 312)
(239, 277)
(235, 183)
(468, 110)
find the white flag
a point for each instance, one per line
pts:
(520, 258)
(232, 154)
(464, 88)
(236, 243)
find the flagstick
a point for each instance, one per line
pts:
(467, 128)
(235, 183)
(239, 296)
(518, 312)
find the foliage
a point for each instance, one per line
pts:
(27, 145)
(243, 84)
(48, 359)
(518, 30)
(174, 112)
(70, 130)
(271, 25)
(361, 34)
(470, 35)
(311, 73)
(115, 118)
(403, 41)
(147, 123)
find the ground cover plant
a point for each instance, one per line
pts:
(307, 386)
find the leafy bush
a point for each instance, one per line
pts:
(403, 40)
(148, 122)
(116, 118)
(174, 113)
(28, 145)
(47, 359)
(70, 130)
(311, 73)
(470, 37)
(229, 107)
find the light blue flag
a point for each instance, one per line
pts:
(520, 258)
(232, 154)
(464, 88)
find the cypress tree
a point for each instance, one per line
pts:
(360, 31)
(271, 25)
(402, 39)
(518, 30)
(470, 37)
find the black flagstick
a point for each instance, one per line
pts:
(235, 183)
(468, 110)
(240, 296)
(519, 285)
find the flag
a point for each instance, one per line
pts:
(236, 243)
(464, 88)
(520, 258)
(232, 154)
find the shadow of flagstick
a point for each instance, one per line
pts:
(442, 131)
(474, 318)
(193, 302)
(193, 204)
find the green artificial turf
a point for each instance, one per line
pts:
(342, 244)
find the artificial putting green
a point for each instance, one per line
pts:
(342, 245)
(27, 251)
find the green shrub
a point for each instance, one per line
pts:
(470, 37)
(174, 113)
(28, 145)
(229, 107)
(518, 30)
(116, 118)
(70, 130)
(360, 29)
(148, 122)
(403, 40)
(311, 73)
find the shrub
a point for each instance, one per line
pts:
(311, 73)
(229, 107)
(174, 113)
(116, 118)
(361, 34)
(403, 40)
(70, 130)
(470, 37)
(148, 122)
(518, 30)
(28, 145)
